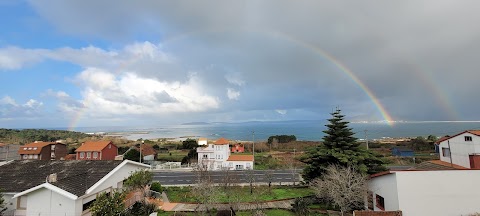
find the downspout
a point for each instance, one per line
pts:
(450, 151)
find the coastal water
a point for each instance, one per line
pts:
(303, 130)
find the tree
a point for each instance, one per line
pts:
(300, 206)
(2, 203)
(141, 209)
(343, 186)
(109, 205)
(205, 191)
(189, 144)
(132, 154)
(340, 147)
(139, 180)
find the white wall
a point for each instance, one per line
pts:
(217, 155)
(118, 176)
(440, 193)
(385, 186)
(461, 149)
(232, 164)
(48, 202)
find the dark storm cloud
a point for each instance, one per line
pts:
(395, 48)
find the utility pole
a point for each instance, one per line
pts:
(366, 138)
(141, 150)
(253, 144)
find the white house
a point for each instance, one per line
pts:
(462, 149)
(217, 156)
(65, 188)
(427, 192)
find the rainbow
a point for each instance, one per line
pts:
(343, 68)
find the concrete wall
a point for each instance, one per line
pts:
(47, 202)
(233, 164)
(440, 193)
(461, 149)
(385, 186)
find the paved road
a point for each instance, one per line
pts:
(185, 178)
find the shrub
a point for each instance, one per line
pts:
(156, 186)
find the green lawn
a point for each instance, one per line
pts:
(176, 155)
(184, 194)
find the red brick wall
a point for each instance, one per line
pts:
(109, 153)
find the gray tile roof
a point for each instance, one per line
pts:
(72, 176)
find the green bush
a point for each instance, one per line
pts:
(156, 186)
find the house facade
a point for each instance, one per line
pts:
(216, 156)
(60, 187)
(426, 192)
(97, 150)
(43, 151)
(462, 149)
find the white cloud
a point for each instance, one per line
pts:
(9, 108)
(232, 94)
(105, 93)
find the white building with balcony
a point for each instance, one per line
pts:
(216, 156)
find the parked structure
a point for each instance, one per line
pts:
(217, 156)
(60, 187)
(462, 149)
(43, 151)
(148, 153)
(402, 152)
(427, 192)
(97, 150)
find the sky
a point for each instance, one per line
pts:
(146, 63)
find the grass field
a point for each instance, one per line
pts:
(173, 155)
(184, 194)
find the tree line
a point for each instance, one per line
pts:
(282, 138)
(25, 136)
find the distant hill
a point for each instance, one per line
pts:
(196, 123)
(24, 136)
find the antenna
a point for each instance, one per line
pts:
(366, 138)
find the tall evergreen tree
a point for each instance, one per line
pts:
(339, 147)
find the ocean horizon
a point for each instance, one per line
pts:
(308, 130)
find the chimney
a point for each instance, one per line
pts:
(52, 178)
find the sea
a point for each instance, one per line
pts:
(308, 130)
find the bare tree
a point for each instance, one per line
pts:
(250, 177)
(344, 186)
(205, 191)
(269, 178)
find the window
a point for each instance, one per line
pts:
(30, 156)
(239, 167)
(468, 138)
(82, 154)
(445, 152)
(230, 164)
(205, 156)
(53, 147)
(25, 156)
(89, 154)
(87, 205)
(380, 202)
(52, 154)
(95, 154)
(110, 146)
(35, 156)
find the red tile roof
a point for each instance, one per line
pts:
(147, 150)
(240, 158)
(34, 148)
(442, 139)
(221, 141)
(93, 146)
(440, 165)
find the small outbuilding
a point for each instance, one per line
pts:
(402, 152)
